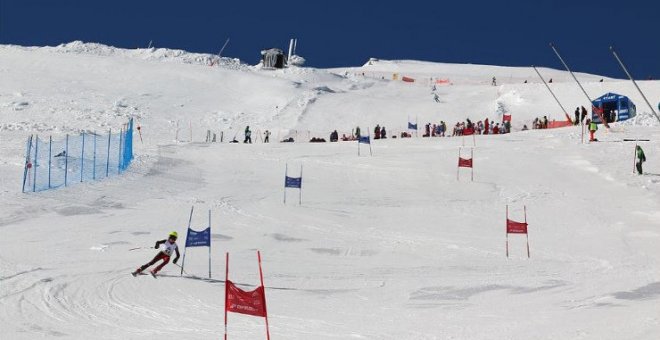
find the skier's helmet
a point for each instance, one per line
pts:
(174, 234)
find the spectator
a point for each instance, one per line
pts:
(592, 130)
(640, 158)
(334, 136)
(248, 135)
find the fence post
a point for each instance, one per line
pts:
(121, 132)
(107, 161)
(82, 158)
(36, 157)
(27, 161)
(94, 161)
(50, 156)
(66, 160)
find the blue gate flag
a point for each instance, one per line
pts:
(364, 140)
(292, 182)
(198, 238)
(412, 126)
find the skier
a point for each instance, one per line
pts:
(592, 130)
(266, 136)
(165, 247)
(357, 132)
(494, 82)
(383, 133)
(577, 116)
(640, 158)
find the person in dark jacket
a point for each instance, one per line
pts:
(334, 136)
(640, 158)
(584, 114)
(377, 132)
(248, 135)
(577, 116)
(383, 133)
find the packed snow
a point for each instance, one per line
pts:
(389, 246)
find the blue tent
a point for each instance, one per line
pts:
(615, 108)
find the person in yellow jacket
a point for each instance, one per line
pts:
(593, 127)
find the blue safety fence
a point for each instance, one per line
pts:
(79, 158)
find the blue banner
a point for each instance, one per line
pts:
(198, 238)
(292, 182)
(364, 140)
(412, 126)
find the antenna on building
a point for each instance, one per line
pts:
(290, 49)
(223, 48)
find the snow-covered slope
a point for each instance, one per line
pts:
(384, 247)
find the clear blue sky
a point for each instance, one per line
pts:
(347, 33)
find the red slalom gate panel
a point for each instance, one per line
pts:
(514, 227)
(464, 163)
(246, 302)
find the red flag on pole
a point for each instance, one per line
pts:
(464, 163)
(514, 227)
(506, 118)
(246, 302)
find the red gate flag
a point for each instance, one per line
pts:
(464, 163)
(506, 118)
(249, 303)
(408, 79)
(245, 302)
(468, 131)
(513, 227)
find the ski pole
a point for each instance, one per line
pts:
(176, 264)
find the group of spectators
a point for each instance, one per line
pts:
(466, 128)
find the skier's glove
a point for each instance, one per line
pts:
(176, 259)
